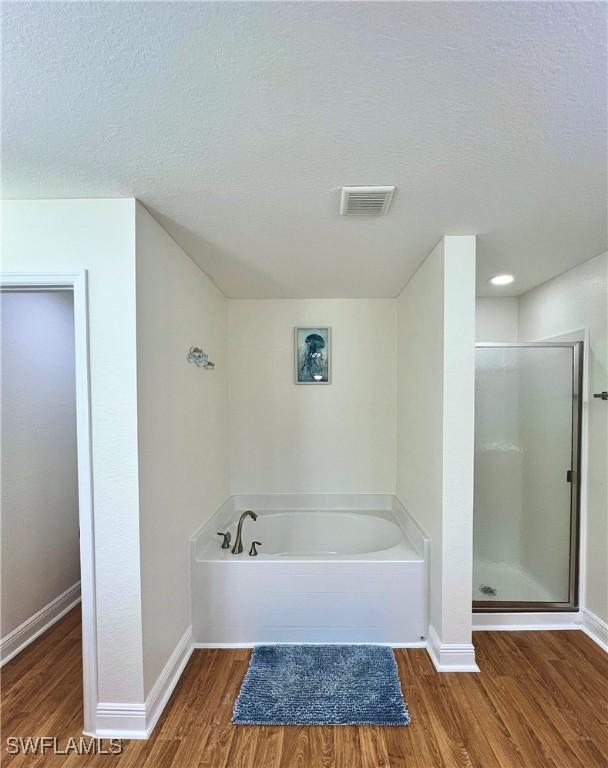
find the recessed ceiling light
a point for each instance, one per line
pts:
(502, 279)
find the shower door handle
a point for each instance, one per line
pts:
(570, 475)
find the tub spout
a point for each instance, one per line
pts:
(238, 543)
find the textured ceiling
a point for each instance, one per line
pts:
(235, 124)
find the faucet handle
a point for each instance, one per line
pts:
(253, 551)
(226, 542)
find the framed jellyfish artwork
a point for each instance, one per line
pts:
(313, 355)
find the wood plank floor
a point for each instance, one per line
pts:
(540, 701)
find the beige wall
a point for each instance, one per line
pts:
(40, 552)
(156, 474)
(572, 301)
(336, 438)
(58, 236)
(496, 319)
(182, 428)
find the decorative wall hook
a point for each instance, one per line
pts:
(199, 358)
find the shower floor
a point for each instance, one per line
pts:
(511, 582)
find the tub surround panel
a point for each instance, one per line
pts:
(411, 528)
(421, 542)
(320, 602)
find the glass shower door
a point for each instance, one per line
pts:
(527, 416)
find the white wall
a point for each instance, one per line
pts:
(182, 427)
(99, 235)
(288, 438)
(436, 334)
(577, 300)
(420, 413)
(458, 436)
(40, 552)
(496, 319)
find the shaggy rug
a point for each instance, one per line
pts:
(321, 685)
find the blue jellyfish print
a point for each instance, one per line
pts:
(312, 359)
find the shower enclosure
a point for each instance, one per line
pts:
(527, 465)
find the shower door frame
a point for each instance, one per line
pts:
(572, 604)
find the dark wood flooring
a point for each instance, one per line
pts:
(540, 701)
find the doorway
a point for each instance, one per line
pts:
(66, 290)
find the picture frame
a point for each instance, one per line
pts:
(312, 354)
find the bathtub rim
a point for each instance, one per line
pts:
(390, 507)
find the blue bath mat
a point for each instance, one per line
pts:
(321, 685)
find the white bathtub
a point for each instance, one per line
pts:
(354, 574)
(312, 535)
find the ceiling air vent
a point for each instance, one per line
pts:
(366, 201)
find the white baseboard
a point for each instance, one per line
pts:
(120, 721)
(37, 624)
(595, 628)
(583, 620)
(451, 657)
(530, 621)
(224, 646)
(137, 720)
(167, 680)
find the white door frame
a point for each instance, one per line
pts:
(77, 283)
